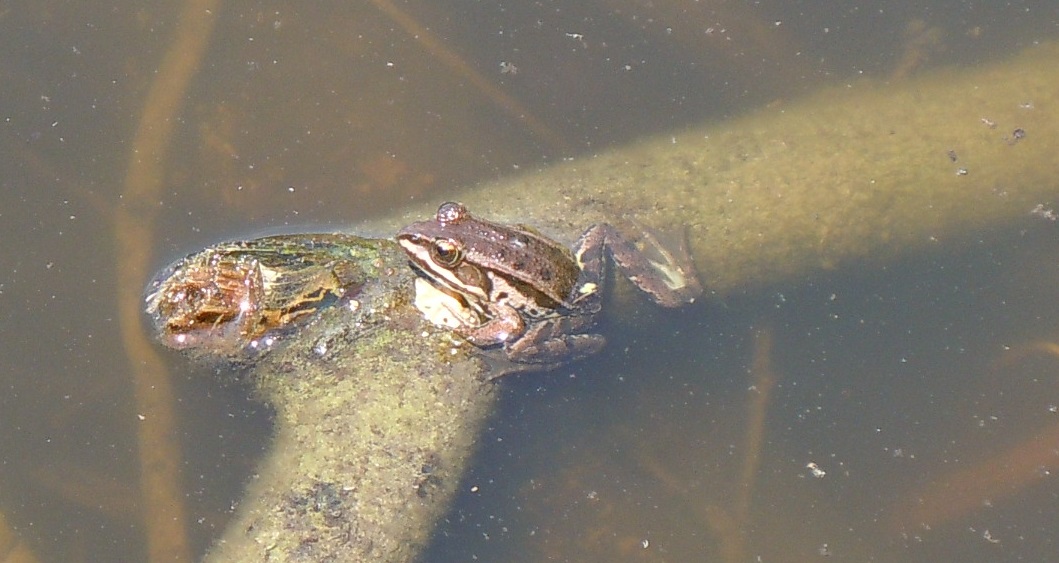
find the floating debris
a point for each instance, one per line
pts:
(1045, 212)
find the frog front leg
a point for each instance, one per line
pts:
(504, 325)
(556, 340)
(665, 274)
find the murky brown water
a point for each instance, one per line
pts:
(899, 385)
(912, 417)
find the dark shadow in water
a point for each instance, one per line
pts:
(888, 381)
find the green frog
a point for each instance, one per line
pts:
(525, 294)
(239, 296)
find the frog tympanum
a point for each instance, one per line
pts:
(528, 295)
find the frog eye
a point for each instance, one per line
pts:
(447, 253)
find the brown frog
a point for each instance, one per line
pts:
(528, 294)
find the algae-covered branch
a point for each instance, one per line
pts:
(376, 409)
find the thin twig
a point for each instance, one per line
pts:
(453, 61)
(732, 526)
(12, 548)
(722, 37)
(160, 453)
(90, 490)
(763, 380)
(960, 492)
(1003, 476)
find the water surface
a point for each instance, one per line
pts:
(891, 382)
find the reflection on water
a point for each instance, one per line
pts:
(897, 385)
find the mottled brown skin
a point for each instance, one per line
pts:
(532, 295)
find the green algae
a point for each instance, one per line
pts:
(376, 414)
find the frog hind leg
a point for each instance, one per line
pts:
(586, 295)
(665, 273)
